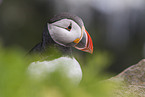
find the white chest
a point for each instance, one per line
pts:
(70, 67)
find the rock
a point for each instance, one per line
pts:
(129, 91)
(132, 81)
(134, 75)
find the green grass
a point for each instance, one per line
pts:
(15, 82)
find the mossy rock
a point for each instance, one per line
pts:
(132, 81)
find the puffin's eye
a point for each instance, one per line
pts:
(69, 27)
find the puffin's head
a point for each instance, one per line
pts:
(69, 30)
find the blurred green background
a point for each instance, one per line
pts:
(117, 29)
(16, 81)
(116, 26)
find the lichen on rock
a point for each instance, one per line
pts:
(132, 81)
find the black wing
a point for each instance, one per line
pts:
(37, 48)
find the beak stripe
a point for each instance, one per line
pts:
(77, 40)
(90, 43)
(88, 46)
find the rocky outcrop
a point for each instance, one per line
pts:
(132, 81)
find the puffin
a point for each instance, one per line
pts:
(62, 32)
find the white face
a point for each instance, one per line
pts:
(64, 31)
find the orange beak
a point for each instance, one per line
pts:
(85, 44)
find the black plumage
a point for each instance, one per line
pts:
(66, 15)
(48, 44)
(47, 41)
